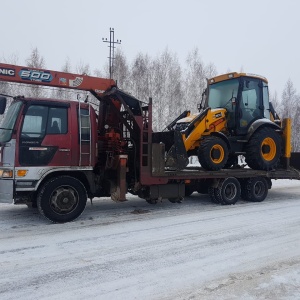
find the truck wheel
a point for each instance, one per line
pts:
(213, 153)
(212, 195)
(228, 191)
(264, 149)
(62, 199)
(255, 189)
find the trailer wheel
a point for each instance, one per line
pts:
(62, 199)
(228, 191)
(264, 149)
(213, 153)
(212, 195)
(255, 189)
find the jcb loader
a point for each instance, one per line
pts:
(235, 118)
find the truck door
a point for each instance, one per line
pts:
(45, 137)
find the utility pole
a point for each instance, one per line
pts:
(112, 47)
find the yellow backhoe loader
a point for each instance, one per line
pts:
(235, 118)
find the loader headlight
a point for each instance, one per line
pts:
(6, 173)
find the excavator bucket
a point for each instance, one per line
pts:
(177, 157)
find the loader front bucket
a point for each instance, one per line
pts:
(177, 157)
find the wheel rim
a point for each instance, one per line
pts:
(268, 149)
(259, 188)
(230, 191)
(64, 200)
(217, 154)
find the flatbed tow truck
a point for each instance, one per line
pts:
(55, 154)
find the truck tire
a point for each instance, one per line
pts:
(255, 189)
(264, 149)
(213, 153)
(212, 195)
(62, 199)
(228, 191)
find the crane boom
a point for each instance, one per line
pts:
(44, 77)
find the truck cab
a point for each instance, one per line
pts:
(42, 136)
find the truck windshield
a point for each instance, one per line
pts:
(8, 122)
(221, 93)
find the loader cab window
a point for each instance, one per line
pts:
(266, 102)
(224, 94)
(250, 102)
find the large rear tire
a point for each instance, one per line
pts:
(62, 199)
(264, 149)
(213, 153)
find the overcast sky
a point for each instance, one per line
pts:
(257, 36)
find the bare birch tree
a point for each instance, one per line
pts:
(195, 80)
(35, 60)
(290, 101)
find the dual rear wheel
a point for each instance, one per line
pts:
(229, 190)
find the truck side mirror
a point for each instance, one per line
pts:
(2, 105)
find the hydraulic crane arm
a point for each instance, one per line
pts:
(27, 75)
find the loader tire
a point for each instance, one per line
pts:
(62, 199)
(255, 189)
(264, 149)
(213, 153)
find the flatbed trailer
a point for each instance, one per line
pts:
(109, 153)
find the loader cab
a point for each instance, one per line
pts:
(244, 96)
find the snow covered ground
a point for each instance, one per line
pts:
(133, 250)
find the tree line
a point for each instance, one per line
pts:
(172, 86)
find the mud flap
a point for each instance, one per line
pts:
(177, 156)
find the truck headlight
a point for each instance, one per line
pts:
(6, 173)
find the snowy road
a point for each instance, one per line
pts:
(133, 250)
